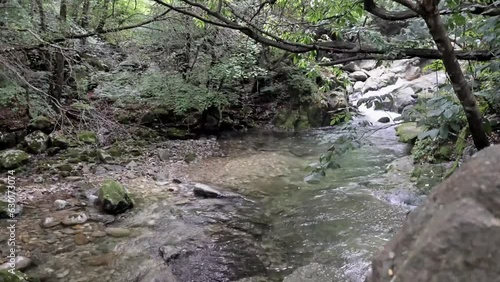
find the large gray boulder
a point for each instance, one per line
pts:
(454, 235)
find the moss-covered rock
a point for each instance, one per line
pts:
(113, 198)
(65, 167)
(427, 176)
(87, 137)
(104, 157)
(37, 142)
(15, 276)
(41, 123)
(445, 152)
(176, 133)
(12, 159)
(408, 132)
(115, 151)
(7, 140)
(57, 139)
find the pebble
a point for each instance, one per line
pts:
(69, 231)
(49, 222)
(75, 218)
(173, 188)
(81, 239)
(117, 232)
(98, 234)
(99, 260)
(63, 273)
(73, 178)
(60, 204)
(39, 179)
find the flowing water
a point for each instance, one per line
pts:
(304, 232)
(282, 229)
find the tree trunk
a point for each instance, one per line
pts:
(58, 74)
(75, 9)
(104, 16)
(63, 11)
(41, 14)
(85, 18)
(460, 86)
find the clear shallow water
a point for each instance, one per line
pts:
(322, 232)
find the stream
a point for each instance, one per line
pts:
(285, 229)
(271, 226)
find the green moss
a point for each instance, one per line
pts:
(17, 276)
(408, 132)
(87, 137)
(176, 133)
(59, 140)
(428, 176)
(64, 167)
(41, 123)
(114, 197)
(115, 151)
(459, 149)
(12, 159)
(445, 152)
(104, 157)
(37, 142)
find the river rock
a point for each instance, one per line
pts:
(81, 239)
(205, 191)
(117, 232)
(402, 98)
(37, 142)
(59, 140)
(453, 235)
(367, 65)
(104, 157)
(49, 222)
(170, 253)
(358, 86)
(21, 263)
(11, 159)
(60, 204)
(75, 218)
(41, 123)
(113, 198)
(384, 119)
(358, 76)
(408, 132)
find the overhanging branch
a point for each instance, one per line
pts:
(156, 18)
(476, 9)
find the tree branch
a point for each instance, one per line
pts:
(79, 36)
(484, 10)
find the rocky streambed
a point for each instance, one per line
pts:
(237, 210)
